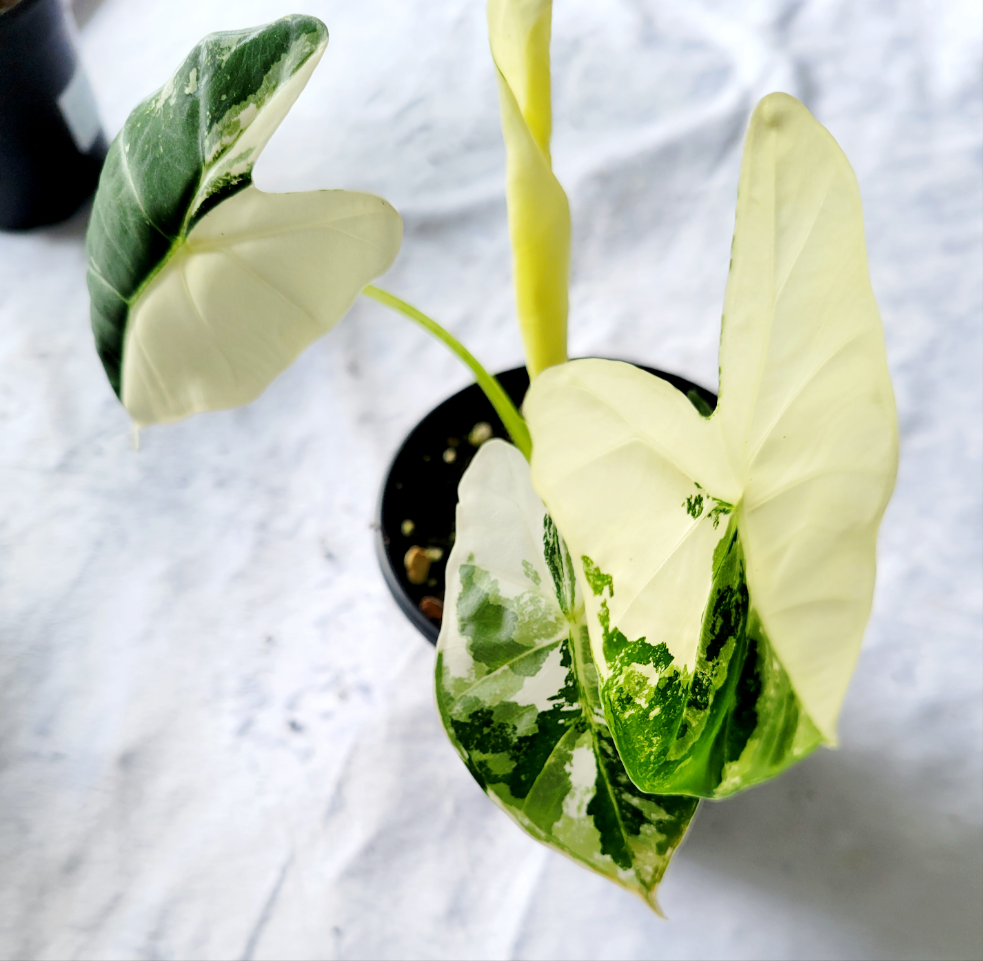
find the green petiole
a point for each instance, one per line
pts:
(501, 401)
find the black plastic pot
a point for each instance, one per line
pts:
(419, 496)
(51, 143)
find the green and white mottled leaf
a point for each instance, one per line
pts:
(729, 560)
(517, 688)
(204, 288)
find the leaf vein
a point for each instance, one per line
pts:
(798, 393)
(263, 280)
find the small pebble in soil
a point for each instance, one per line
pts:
(435, 554)
(432, 607)
(417, 565)
(450, 455)
(407, 527)
(481, 432)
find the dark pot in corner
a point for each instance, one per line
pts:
(419, 496)
(51, 142)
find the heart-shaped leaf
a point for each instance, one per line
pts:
(204, 288)
(517, 687)
(730, 559)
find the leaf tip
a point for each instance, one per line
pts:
(776, 109)
(652, 900)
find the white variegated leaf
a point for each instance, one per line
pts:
(517, 687)
(258, 279)
(730, 560)
(204, 288)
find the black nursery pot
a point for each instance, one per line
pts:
(51, 143)
(419, 496)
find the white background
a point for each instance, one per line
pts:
(217, 732)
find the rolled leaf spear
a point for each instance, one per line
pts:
(539, 214)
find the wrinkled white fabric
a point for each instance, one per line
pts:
(217, 732)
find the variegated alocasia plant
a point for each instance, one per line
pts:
(721, 564)
(668, 604)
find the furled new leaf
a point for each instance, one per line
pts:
(729, 560)
(204, 288)
(517, 688)
(539, 215)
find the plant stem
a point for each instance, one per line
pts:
(494, 391)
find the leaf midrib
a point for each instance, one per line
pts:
(587, 712)
(501, 667)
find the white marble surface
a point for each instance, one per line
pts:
(217, 734)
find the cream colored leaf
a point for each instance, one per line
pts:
(787, 482)
(805, 399)
(616, 452)
(258, 279)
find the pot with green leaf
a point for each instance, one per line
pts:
(648, 601)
